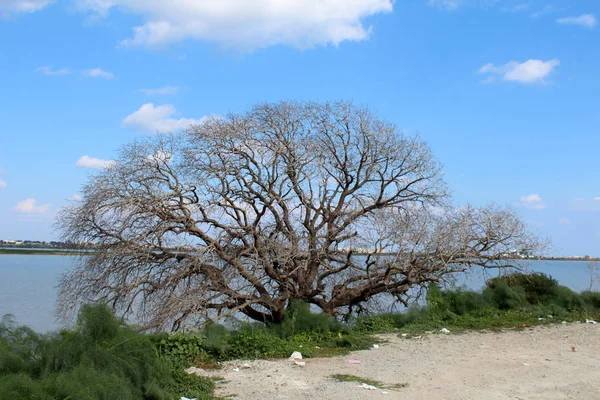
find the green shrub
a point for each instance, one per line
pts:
(591, 300)
(298, 318)
(538, 287)
(102, 359)
(564, 297)
(504, 296)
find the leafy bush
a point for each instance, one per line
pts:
(591, 300)
(504, 296)
(538, 287)
(298, 318)
(101, 359)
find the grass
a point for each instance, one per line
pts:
(368, 381)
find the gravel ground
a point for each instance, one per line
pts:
(535, 363)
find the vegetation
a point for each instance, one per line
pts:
(359, 379)
(101, 359)
(322, 203)
(105, 359)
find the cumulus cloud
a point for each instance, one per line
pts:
(30, 206)
(530, 71)
(3, 184)
(153, 119)
(50, 71)
(8, 7)
(586, 20)
(98, 73)
(597, 198)
(165, 90)
(532, 201)
(245, 24)
(94, 163)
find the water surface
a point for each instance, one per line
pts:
(28, 284)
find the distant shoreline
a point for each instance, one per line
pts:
(43, 252)
(63, 252)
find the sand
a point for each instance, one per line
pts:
(534, 363)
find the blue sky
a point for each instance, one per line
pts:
(507, 93)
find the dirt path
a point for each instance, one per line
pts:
(535, 363)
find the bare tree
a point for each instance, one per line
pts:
(323, 203)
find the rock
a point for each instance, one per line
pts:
(296, 356)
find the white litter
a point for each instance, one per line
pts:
(590, 321)
(368, 387)
(236, 370)
(185, 398)
(444, 330)
(404, 334)
(296, 356)
(375, 346)
(300, 363)
(384, 392)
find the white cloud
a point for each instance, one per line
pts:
(516, 8)
(153, 119)
(246, 24)
(29, 206)
(75, 197)
(530, 71)
(22, 6)
(95, 163)
(532, 201)
(447, 4)
(597, 198)
(564, 221)
(3, 184)
(98, 73)
(160, 156)
(547, 9)
(586, 20)
(165, 90)
(49, 71)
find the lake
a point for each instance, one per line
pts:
(28, 284)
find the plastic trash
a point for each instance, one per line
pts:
(236, 370)
(525, 364)
(368, 387)
(444, 330)
(296, 356)
(185, 398)
(384, 392)
(590, 321)
(300, 363)
(353, 361)
(375, 346)
(404, 334)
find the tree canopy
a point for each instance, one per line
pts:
(319, 202)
